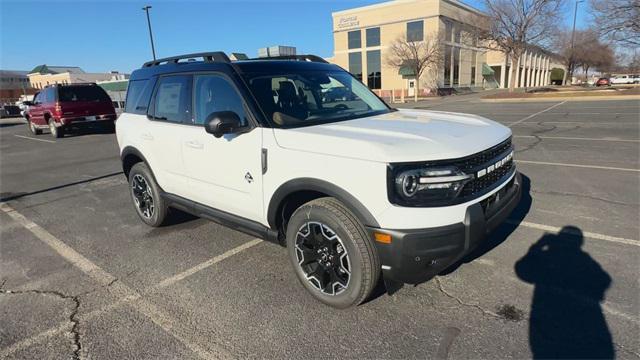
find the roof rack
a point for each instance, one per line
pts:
(216, 56)
(74, 84)
(310, 58)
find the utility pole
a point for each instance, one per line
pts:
(573, 35)
(153, 49)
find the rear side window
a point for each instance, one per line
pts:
(138, 96)
(82, 94)
(172, 101)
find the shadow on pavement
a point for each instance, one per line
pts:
(566, 319)
(7, 196)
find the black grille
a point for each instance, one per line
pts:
(482, 159)
(478, 185)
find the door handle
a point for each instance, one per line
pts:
(146, 136)
(194, 144)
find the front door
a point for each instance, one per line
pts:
(225, 173)
(412, 87)
(36, 112)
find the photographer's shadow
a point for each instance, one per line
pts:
(566, 319)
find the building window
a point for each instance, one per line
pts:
(457, 34)
(448, 30)
(373, 37)
(374, 79)
(456, 66)
(355, 65)
(447, 65)
(355, 41)
(415, 31)
(473, 67)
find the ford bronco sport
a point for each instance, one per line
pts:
(354, 189)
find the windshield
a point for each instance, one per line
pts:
(304, 98)
(82, 93)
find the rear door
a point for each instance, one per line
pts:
(225, 173)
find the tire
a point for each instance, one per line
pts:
(336, 278)
(142, 188)
(56, 131)
(32, 127)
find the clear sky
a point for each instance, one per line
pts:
(100, 36)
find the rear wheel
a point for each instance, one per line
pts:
(145, 193)
(56, 131)
(331, 253)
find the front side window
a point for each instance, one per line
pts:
(373, 37)
(415, 31)
(354, 39)
(374, 79)
(355, 65)
(310, 97)
(173, 99)
(214, 93)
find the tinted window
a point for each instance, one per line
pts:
(374, 79)
(37, 98)
(355, 41)
(415, 31)
(373, 37)
(138, 96)
(214, 93)
(81, 93)
(355, 65)
(173, 99)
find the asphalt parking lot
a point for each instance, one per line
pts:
(82, 277)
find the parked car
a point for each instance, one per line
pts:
(622, 79)
(337, 94)
(603, 81)
(355, 190)
(60, 108)
(9, 111)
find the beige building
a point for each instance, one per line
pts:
(362, 37)
(43, 75)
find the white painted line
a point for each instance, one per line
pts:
(160, 318)
(30, 138)
(576, 165)
(575, 138)
(587, 234)
(538, 113)
(573, 123)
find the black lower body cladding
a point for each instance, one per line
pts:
(416, 255)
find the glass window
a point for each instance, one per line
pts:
(447, 65)
(473, 66)
(354, 39)
(457, 34)
(173, 99)
(214, 93)
(300, 97)
(82, 94)
(37, 98)
(456, 66)
(374, 79)
(138, 96)
(448, 30)
(415, 31)
(355, 64)
(373, 37)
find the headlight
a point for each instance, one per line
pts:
(430, 186)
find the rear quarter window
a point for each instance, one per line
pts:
(138, 96)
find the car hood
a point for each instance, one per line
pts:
(400, 136)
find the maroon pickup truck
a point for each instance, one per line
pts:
(62, 107)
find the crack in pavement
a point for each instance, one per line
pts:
(536, 135)
(72, 317)
(459, 301)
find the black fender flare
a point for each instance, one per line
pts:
(311, 184)
(130, 150)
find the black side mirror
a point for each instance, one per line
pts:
(222, 122)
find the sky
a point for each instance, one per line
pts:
(101, 36)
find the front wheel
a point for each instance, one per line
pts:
(33, 128)
(331, 253)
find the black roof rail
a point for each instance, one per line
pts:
(216, 56)
(69, 84)
(311, 58)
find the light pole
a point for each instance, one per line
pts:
(573, 35)
(153, 49)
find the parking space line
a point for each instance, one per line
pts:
(574, 138)
(96, 273)
(30, 138)
(587, 234)
(576, 165)
(538, 113)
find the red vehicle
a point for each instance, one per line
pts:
(603, 82)
(62, 107)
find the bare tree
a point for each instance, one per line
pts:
(580, 53)
(513, 25)
(618, 20)
(419, 56)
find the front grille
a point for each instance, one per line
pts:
(482, 160)
(470, 163)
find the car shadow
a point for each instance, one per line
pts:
(92, 130)
(566, 319)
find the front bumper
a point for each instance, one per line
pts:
(414, 256)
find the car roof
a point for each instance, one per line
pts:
(243, 66)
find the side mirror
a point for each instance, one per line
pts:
(222, 122)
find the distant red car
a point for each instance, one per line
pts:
(603, 82)
(61, 107)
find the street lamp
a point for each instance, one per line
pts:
(153, 49)
(573, 35)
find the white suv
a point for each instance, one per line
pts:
(353, 188)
